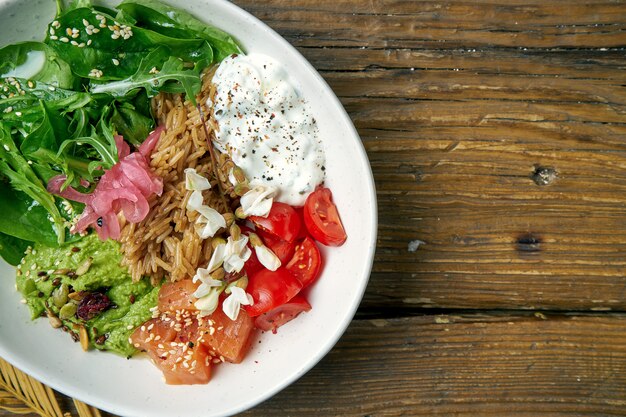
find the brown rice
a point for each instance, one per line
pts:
(165, 244)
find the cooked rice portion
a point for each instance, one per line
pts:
(165, 243)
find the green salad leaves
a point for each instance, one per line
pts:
(63, 100)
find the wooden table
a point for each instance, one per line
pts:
(496, 131)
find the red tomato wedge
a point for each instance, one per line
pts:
(282, 248)
(269, 289)
(306, 263)
(170, 353)
(322, 218)
(282, 222)
(228, 339)
(275, 318)
(303, 232)
(177, 296)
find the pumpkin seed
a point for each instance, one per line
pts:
(67, 311)
(59, 295)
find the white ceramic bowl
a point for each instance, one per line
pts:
(135, 387)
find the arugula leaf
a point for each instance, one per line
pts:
(21, 60)
(101, 140)
(151, 78)
(155, 14)
(12, 249)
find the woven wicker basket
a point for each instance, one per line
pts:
(22, 394)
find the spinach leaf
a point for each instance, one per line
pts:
(23, 59)
(154, 14)
(23, 178)
(12, 249)
(47, 135)
(24, 218)
(130, 123)
(116, 50)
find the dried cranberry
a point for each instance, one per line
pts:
(92, 304)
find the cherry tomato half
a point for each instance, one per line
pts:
(270, 289)
(282, 222)
(322, 218)
(303, 232)
(306, 262)
(282, 248)
(275, 318)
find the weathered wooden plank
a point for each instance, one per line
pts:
(507, 159)
(450, 24)
(483, 365)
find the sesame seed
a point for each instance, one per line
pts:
(56, 24)
(136, 345)
(129, 327)
(115, 36)
(143, 328)
(69, 31)
(29, 162)
(157, 338)
(115, 62)
(95, 30)
(85, 22)
(6, 147)
(74, 43)
(89, 42)
(30, 84)
(8, 110)
(51, 88)
(75, 35)
(81, 45)
(52, 31)
(96, 73)
(18, 113)
(64, 40)
(102, 24)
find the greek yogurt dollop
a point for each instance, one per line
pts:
(268, 129)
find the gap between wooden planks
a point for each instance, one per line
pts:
(466, 365)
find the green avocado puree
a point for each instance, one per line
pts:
(131, 301)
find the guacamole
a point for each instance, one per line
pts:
(83, 284)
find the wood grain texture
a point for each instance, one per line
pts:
(497, 365)
(496, 131)
(462, 108)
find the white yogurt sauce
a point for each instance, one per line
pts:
(267, 128)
